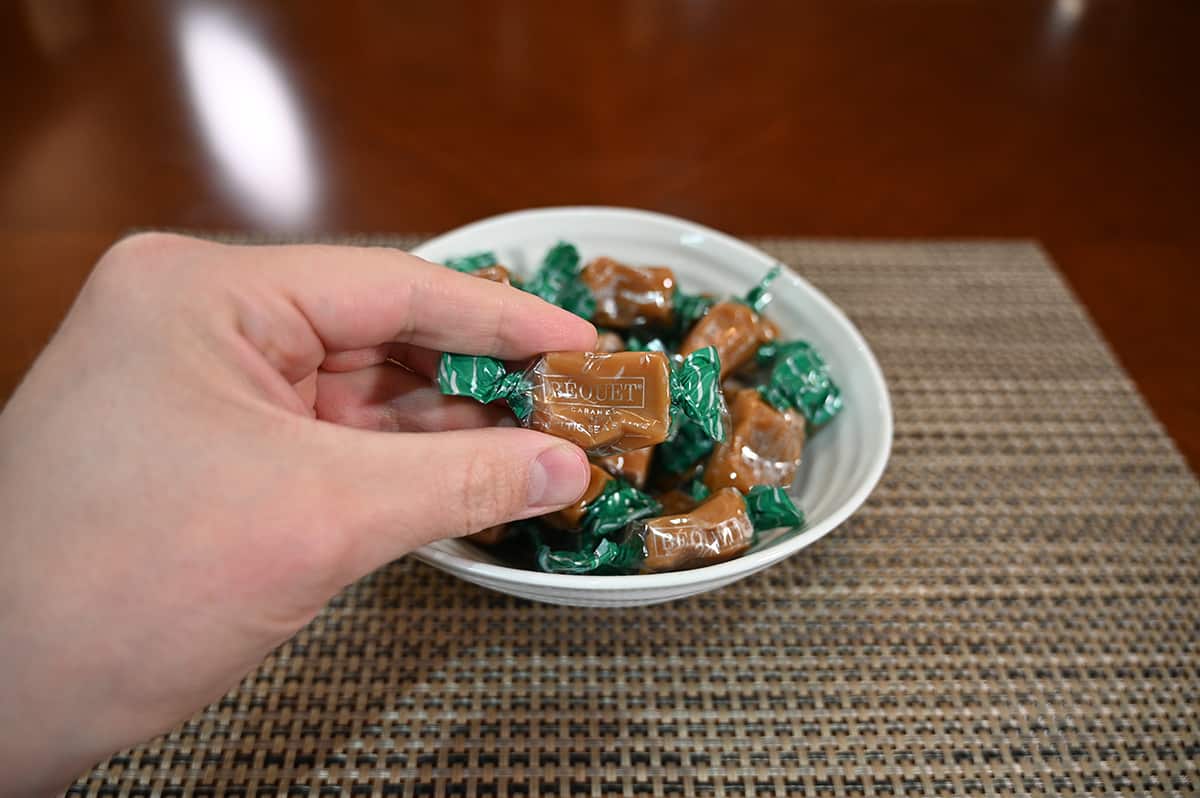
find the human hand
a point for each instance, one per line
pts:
(175, 501)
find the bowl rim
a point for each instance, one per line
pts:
(738, 566)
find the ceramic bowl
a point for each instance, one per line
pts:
(842, 462)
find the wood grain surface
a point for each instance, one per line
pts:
(1073, 122)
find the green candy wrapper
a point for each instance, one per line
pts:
(758, 297)
(485, 380)
(690, 445)
(473, 262)
(688, 308)
(606, 558)
(697, 490)
(557, 281)
(770, 508)
(618, 505)
(606, 403)
(696, 389)
(635, 344)
(800, 380)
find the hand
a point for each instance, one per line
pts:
(175, 501)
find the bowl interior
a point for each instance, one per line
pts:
(842, 462)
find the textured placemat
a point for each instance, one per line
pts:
(1015, 610)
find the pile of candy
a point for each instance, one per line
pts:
(692, 409)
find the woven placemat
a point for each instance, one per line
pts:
(1015, 610)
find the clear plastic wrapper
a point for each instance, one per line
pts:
(735, 327)
(721, 528)
(603, 403)
(764, 447)
(633, 467)
(800, 379)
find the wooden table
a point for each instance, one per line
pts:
(1073, 122)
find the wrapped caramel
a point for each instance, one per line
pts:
(764, 448)
(604, 403)
(626, 296)
(735, 327)
(632, 296)
(721, 528)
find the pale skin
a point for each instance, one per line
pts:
(215, 442)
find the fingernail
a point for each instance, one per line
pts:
(559, 476)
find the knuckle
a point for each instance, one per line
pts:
(123, 269)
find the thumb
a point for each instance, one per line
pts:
(408, 489)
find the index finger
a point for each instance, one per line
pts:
(355, 297)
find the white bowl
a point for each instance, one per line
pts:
(842, 463)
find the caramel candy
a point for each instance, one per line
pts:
(718, 530)
(571, 516)
(736, 331)
(764, 449)
(609, 342)
(604, 403)
(627, 296)
(633, 467)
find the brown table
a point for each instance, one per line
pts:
(1072, 122)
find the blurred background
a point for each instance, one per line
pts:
(1073, 122)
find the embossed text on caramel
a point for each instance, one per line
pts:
(615, 392)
